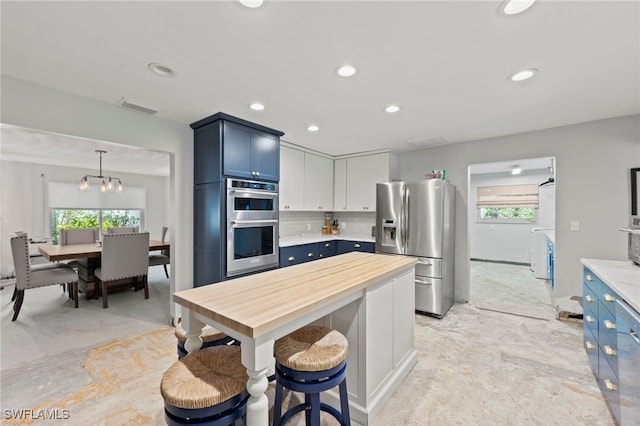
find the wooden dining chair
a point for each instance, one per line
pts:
(123, 256)
(28, 276)
(164, 258)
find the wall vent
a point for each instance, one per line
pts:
(433, 141)
(125, 103)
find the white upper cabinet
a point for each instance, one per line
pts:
(318, 182)
(291, 178)
(363, 173)
(340, 185)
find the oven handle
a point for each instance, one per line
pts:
(242, 222)
(248, 191)
(631, 231)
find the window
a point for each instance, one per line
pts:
(71, 208)
(81, 219)
(507, 203)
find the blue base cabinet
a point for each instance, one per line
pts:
(293, 255)
(600, 338)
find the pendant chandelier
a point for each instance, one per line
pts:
(109, 183)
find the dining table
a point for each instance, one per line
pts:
(87, 258)
(368, 297)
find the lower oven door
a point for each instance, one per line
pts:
(252, 246)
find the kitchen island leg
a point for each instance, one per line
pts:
(257, 358)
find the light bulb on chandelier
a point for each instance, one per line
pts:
(107, 184)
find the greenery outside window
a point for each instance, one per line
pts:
(83, 219)
(507, 204)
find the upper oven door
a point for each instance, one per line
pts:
(248, 203)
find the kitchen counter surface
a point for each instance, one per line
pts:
(551, 235)
(318, 238)
(623, 276)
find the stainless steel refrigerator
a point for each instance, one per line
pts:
(417, 219)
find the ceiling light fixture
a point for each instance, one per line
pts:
(108, 182)
(513, 7)
(523, 75)
(256, 106)
(346, 71)
(516, 170)
(313, 128)
(252, 4)
(392, 108)
(161, 69)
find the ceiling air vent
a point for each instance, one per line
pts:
(433, 141)
(137, 107)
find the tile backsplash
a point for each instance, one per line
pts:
(294, 224)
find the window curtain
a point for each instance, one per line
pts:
(507, 196)
(68, 196)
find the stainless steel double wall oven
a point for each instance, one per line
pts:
(252, 226)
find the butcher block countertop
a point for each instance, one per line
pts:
(259, 303)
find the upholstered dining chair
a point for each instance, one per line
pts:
(126, 230)
(164, 258)
(123, 256)
(78, 236)
(28, 276)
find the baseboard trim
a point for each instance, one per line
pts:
(473, 259)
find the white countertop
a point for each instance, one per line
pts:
(318, 238)
(623, 276)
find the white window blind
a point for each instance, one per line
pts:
(507, 196)
(68, 196)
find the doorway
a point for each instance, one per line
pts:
(511, 211)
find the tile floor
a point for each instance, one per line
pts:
(493, 361)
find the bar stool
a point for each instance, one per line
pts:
(311, 360)
(210, 337)
(206, 387)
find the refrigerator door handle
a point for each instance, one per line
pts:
(419, 281)
(425, 262)
(405, 219)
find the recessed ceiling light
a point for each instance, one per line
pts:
(161, 69)
(513, 7)
(256, 106)
(346, 71)
(313, 128)
(523, 75)
(516, 170)
(392, 108)
(251, 3)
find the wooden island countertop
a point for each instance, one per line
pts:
(370, 298)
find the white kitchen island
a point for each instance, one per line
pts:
(368, 297)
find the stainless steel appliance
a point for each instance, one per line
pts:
(417, 219)
(252, 226)
(633, 230)
(628, 339)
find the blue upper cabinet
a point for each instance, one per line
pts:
(250, 153)
(227, 146)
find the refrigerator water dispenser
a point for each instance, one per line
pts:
(388, 232)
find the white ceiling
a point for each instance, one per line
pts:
(445, 63)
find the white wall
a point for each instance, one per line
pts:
(592, 186)
(500, 241)
(23, 206)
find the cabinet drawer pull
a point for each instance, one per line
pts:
(589, 319)
(291, 258)
(327, 245)
(589, 298)
(609, 350)
(589, 278)
(310, 255)
(590, 346)
(356, 245)
(609, 325)
(257, 173)
(609, 298)
(609, 385)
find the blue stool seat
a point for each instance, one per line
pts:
(207, 387)
(210, 337)
(311, 360)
